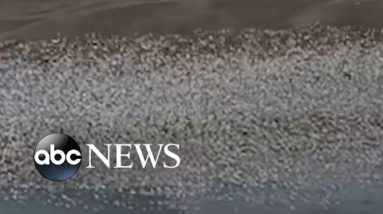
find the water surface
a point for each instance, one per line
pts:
(37, 19)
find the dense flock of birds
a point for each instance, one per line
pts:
(270, 116)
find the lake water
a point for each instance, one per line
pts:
(37, 19)
(351, 200)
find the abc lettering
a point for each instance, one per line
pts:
(57, 157)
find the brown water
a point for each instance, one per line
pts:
(38, 19)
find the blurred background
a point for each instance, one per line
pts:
(38, 19)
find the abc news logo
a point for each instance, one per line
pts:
(58, 157)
